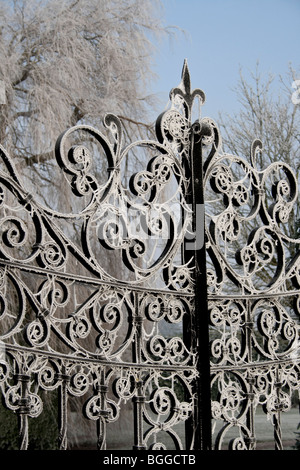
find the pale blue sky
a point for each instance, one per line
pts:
(221, 37)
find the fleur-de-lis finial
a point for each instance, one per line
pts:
(185, 84)
(184, 90)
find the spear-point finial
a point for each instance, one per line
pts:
(185, 84)
(184, 90)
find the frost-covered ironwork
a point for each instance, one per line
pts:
(135, 303)
(253, 292)
(93, 301)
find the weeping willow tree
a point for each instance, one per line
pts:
(67, 62)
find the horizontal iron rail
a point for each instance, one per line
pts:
(92, 281)
(259, 295)
(98, 361)
(254, 365)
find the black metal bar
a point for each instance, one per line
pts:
(23, 411)
(63, 410)
(199, 326)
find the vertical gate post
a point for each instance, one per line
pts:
(196, 253)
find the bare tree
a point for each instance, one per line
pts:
(274, 119)
(65, 62)
(270, 117)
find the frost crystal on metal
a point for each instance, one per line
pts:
(127, 305)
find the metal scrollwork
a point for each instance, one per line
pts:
(94, 299)
(103, 302)
(252, 262)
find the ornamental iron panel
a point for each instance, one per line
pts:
(253, 293)
(137, 308)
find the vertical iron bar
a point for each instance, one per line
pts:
(199, 437)
(23, 411)
(277, 431)
(62, 410)
(251, 441)
(138, 403)
(102, 390)
(277, 414)
(137, 320)
(138, 399)
(101, 430)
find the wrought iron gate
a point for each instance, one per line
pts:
(141, 307)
